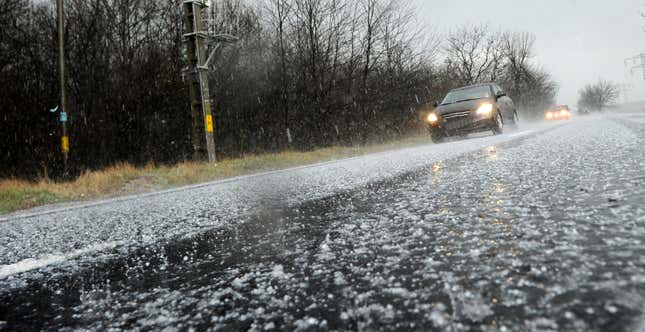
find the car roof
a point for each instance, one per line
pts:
(473, 86)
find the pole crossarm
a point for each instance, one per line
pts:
(200, 34)
(202, 3)
(216, 42)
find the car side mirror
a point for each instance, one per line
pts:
(435, 104)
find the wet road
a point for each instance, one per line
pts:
(537, 230)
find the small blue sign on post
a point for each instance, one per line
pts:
(63, 116)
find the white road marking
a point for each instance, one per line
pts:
(524, 133)
(34, 264)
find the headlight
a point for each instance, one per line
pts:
(564, 113)
(433, 118)
(549, 116)
(485, 109)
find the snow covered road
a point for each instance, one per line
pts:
(536, 230)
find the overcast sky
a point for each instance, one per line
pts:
(578, 41)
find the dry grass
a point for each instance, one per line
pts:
(123, 179)
(19, 194)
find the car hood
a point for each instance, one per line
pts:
(461, 106)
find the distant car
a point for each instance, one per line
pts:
(556, 113)
(471, 109)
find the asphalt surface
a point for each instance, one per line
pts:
(541, 229)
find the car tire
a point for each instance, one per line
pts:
(498, 124)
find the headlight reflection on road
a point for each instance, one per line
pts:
(491, 153)
(494, 204)
(437, 167)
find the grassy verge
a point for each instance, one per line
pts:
(124, 179)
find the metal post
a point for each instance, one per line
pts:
(636, 63)
(63, 96)
(198, 79)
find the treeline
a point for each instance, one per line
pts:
(126, 99)
(304, 74)
(476, 54)
(598, 96)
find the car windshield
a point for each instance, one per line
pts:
(467, 94)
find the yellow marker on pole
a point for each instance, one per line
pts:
(64, 144)
(209, 123)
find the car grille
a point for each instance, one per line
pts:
(456, 115)
(457, 120)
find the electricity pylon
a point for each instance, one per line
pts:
(636, 63)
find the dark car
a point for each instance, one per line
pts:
(584, 111)
(471, 109)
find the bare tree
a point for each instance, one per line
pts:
(538, 91)
(279, 11)
(517, 48)
(473, 54)
(10, 29)
(599, 96)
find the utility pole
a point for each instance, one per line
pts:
(198, 80)
(64, 141)
(199, 61)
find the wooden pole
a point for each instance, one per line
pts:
(203, 124)
(65, 148)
